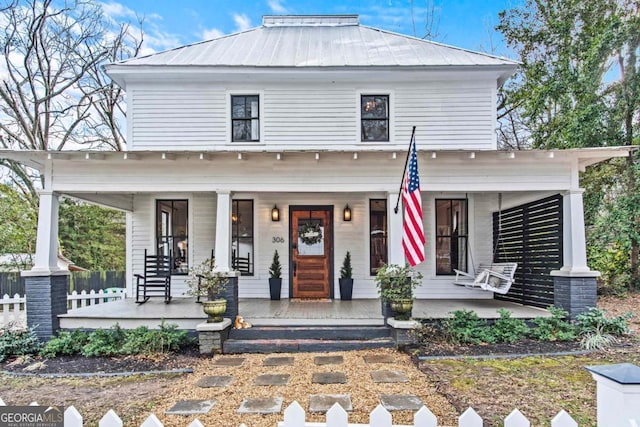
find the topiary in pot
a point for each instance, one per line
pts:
(396, 284)
(275, 277)
(346, 279)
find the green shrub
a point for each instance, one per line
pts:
(596, 339)
(65, 343)
(554, 328)
(507, 329)
(104, 342)
(144, 341)
(466, 328)
(16, 341)
(595, 319)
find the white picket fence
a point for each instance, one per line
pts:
(13, 308)
(294, 416)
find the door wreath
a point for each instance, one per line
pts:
(310, 233)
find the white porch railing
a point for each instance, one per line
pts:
(13, 308)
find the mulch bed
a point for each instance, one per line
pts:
(190, 357)
(117, 364)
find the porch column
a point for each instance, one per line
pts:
(223, 232)
(396, 253)
(46, 285)
(223, 253)
(46, 259)
(575, 285)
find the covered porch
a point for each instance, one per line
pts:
(186, 313)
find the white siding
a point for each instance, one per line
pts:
(167, 117)
(448, 115)
(202, 210)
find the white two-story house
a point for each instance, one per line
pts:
(237, 144)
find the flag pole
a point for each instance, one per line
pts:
(406, 162)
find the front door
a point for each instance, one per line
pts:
(311, 248)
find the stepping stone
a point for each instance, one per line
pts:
(191, 407)
(400, 402)
(328, 360)
(261, 405)
(278, 361)
(324, 402)
(379, 358)
(272, 379)
(329, 378)
(214, 381)
(229, 361)
(389, 377)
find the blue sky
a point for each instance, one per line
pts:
(170, 23)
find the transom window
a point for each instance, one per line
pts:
(245, 118)
(374, 115)
(451, 235)
(172, 232)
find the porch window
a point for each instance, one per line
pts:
(451, 235)
(374, 115)
(245, 118)
(172, 232)
(377, 234)
(242, 255)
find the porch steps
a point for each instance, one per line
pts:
(293, 339)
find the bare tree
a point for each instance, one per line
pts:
(431, 19)
(53, 91)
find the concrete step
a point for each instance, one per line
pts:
(310, 332)
(231, 346)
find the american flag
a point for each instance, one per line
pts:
(413, 231)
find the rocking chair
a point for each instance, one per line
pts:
(156, 280)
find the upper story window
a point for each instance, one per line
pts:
(172, 232)
(245, 118)
(374, 115)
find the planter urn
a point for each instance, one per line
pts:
(214, 310)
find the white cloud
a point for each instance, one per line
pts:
(211, 33)
(276, 6)
(113, 10)
(242, 21)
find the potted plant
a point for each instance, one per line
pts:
(203, 280)
(396, 284)
(275, 277)
(346, 279)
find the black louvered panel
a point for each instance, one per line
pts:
(531, 235)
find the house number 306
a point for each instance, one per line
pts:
(277, 239)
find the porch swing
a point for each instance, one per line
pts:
(492, 277)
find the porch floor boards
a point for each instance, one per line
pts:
(263, 312)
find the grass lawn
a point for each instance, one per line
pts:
(538, 386)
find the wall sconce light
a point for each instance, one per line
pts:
(275, 213)
(346, 214)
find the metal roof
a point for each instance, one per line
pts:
(317, 41)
